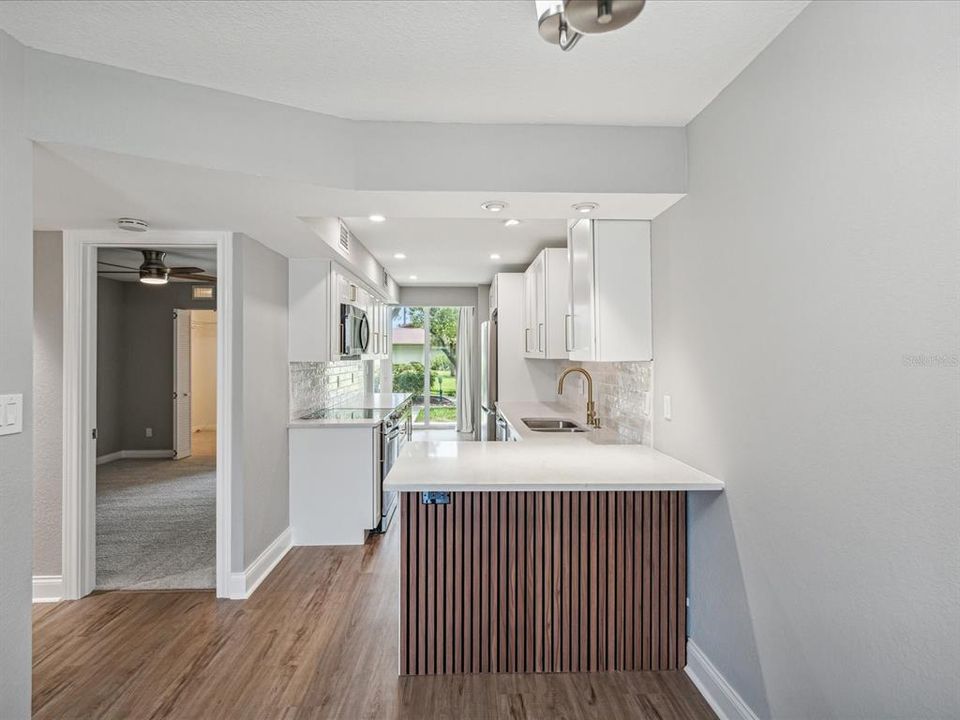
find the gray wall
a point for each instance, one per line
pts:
(147, 386)
(111, 352)
(439, 296)
(48, 401)
(265, 411)
(806, 327)
(135, 362)
(16, 376)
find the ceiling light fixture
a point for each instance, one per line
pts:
(511, 222)
(494, 206)
(413, 277)
(494, 256)
(377, 218)
(399, 256)
(153, 276)
(564, 22)
(585, 207)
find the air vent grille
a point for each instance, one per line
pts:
(386, 279)
(344, 237)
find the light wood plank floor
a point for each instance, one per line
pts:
(317, 640)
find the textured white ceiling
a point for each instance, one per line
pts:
(455, 251)
(464, 61)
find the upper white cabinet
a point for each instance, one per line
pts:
(609, 317)
(546, 298)
(317, 288)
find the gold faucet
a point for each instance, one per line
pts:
(592, 418)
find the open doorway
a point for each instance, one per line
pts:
(427, 363)
(156, 469)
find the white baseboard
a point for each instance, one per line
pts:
(134, 455)
(242, 584)
(47, 588)
(725, 701)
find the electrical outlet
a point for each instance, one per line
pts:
(149, 432)
(667, 408)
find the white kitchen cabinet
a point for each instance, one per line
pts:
(316, 289)
(546, 300)
(333, 483)
(609, 317)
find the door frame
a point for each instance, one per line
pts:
(80, 395)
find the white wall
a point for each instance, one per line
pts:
(807, 329)
(16, 376)
(263, 416)
(203, 369)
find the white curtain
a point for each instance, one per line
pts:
(466, 364)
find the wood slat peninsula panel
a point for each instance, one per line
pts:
(543, 582)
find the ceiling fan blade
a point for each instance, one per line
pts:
(188, 269)
(125, 267)
(194, 276)
(117, 272)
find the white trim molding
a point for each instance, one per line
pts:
(79, 397)
(719, 694)
(242, 584)
(47, 588)
(134, 455)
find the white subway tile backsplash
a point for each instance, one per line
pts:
(321, 385)
(622, 393)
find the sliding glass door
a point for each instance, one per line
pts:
(425, 361)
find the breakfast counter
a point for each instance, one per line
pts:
(593, 460)
(561, 552)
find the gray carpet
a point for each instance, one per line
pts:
(156, 521)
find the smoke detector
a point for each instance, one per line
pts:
(132, 224)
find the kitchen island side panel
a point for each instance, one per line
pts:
(531, 582)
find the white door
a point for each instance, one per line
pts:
(181, 384)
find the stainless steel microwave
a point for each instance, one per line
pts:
(354, 331)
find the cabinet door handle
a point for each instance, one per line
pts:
(540, 337)
(526, 339)
(567, 332)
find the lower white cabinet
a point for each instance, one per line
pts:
(333, 478)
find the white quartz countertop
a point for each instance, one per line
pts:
(542, 461)
(385, 402)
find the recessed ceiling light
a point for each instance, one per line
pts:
(399, 256)
(413, 277)
(377, 218)
(494, 206)
(494, 256)
(585, 207)
(511, 222)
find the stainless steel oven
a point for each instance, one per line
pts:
(354, 331)
(396, 430)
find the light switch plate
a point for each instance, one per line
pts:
(667, 408)
(11, 414)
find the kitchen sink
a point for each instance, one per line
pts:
(554, 425)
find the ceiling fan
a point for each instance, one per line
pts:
(154, 271)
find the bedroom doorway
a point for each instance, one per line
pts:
(141, 509)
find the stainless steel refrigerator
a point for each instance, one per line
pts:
(488, 378)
